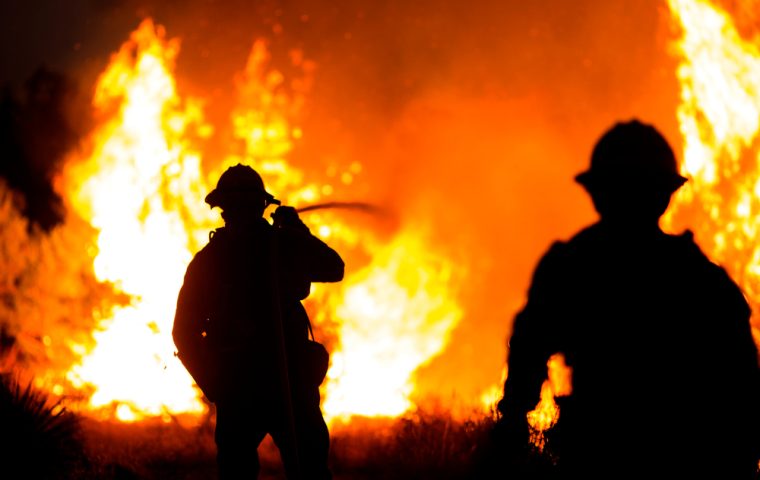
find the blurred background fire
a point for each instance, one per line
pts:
(462, 123)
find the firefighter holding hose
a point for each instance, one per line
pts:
(243, 334)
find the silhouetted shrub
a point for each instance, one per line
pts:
(38, 438)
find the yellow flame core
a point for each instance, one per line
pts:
(558, 384)
(394, 316)
(719, 117)
(140, 169)
(140, 185)
(262, 123)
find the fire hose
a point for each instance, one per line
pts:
(286, 386)
(362, 206)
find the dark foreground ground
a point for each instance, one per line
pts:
(417, 446)
(40, 440)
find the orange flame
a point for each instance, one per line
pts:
(140, 185)
(545, 415)
(395, 315)
(719, 118)
(133, 190)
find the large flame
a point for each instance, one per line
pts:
(131, 187)
(140, 184)
(719, 118)
(394, 315)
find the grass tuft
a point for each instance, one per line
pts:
(39, 438)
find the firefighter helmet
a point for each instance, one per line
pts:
(235, 180)
(635, 154)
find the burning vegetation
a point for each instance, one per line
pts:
(136, 180)
(89, 291)
(719, 116)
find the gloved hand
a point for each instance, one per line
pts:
(287, 217)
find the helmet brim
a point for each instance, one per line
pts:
(221, 198)
(592, 180)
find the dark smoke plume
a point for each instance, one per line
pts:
(35, 134)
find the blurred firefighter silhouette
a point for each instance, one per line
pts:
(243, 334)
(664, 368)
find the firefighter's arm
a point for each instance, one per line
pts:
(190, 313)
(322, 263)
(532, 343)
(315, 258)
(194, 308)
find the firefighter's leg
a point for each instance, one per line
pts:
(237, 435)
(314, 441)
(313, 438)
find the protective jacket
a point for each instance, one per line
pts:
(235, 292)
(664, 368)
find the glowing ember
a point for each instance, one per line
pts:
(719, 119)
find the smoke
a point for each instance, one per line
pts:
(472, 117)
(35, 134)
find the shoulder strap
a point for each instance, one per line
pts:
(311, 332)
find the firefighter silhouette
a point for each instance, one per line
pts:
(243, 334)
(664, 368)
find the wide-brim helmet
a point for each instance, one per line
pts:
(236, 181)
(632, 154)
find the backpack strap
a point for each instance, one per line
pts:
(311, 332)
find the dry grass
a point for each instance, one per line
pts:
(42, 441)
(147, 450)
(420, 446)
(38, 438)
